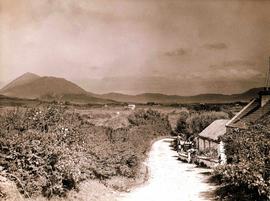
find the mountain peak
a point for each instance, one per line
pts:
(29, 74)
(23, 79)
(27, 77)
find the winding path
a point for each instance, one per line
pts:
(171, 179)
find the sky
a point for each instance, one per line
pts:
(135, 46)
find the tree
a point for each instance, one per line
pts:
(181, 124)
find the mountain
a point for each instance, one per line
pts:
(31, 86)
(41, 86)
(23, 79)
(201, 98)
(251, 93)
(2, 84)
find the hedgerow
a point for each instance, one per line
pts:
(49, 151)
(248, 155)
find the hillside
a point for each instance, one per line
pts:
(31, 86)
(162, 98)
(23, 79)
(42, 86)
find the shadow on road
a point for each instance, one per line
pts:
(208, 195)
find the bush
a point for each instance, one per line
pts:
(193, 123)
(206, 107)
(181, 125)
(54, 160)
(248, 155)
(197, 122)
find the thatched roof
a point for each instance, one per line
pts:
(215, 129)
(251, 113)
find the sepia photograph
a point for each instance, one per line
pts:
(134, 100)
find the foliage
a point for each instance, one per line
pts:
(50, 151)
(206, 107)
(34, 118)
(209, 152)
(181, 125)
(195, 122)
(248, 155)
(144, 117)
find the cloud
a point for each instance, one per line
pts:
(231, 74)
(84, 40)
(234, 63)
(177, 52)
(215, 46)
(204, 82)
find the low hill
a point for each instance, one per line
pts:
(161, 98)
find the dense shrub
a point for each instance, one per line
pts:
(248, 155)
(181, 124)
(143, 117)
(206, 107)
(50, 151)
(197, 122)
(39, 119)
(193, 123)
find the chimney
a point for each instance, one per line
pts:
(264, 97)
(265, 94)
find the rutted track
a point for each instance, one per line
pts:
(171, 179)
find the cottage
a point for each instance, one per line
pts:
(208, 138)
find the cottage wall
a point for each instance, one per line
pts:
(205, 144)
(221, 153)
(264, 99)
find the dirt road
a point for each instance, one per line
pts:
(171, 179)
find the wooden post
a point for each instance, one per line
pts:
(267, 76)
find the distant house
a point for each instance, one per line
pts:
(131, 106)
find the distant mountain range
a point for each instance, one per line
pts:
(32, 86)
(202, 98)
